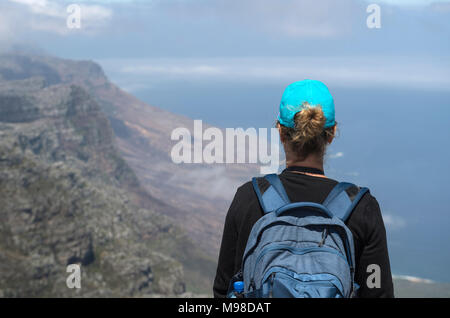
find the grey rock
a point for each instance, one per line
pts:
(64, 199)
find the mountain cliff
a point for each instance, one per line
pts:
(142, 135)
(67, 196)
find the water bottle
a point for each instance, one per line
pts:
(238, 288)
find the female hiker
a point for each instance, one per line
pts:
(306, 123)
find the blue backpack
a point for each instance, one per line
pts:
(301, 249)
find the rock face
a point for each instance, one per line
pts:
(67, 196)
(193, 198)
(196, 196)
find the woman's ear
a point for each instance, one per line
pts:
(331, 137)
(281, 134)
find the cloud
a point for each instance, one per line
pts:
(409, 3)
(413, 279)
(41, 7)
(222, 28)
(6, 31)
(443, 7)
(393, 222)
(51, 16)
(336, 155)
(292, 18)
(214, 181)
(363, 71)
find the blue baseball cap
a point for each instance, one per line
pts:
(315, 93)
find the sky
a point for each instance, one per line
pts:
(228, 61)
(249, 41)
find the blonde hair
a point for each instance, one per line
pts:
(308, 135)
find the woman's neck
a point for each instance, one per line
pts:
(312, 161)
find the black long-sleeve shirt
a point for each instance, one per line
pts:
(365, 223)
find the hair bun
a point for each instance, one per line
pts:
(309, 123)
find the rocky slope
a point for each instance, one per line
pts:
(67, 196)
(198, 195)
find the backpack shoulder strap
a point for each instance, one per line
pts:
(274, 197)
(340, 202)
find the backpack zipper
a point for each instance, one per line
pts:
(324, 236)
(345, 239)
(272, 278)
(299, 251)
